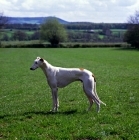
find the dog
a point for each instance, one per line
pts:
(58, 77)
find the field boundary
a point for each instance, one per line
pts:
(24, 44)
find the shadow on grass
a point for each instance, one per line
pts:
(5, 116)
(126, 49)
(40, 113)
(51, 113)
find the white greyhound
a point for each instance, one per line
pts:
(58, 77)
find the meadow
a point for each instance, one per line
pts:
(25, 97)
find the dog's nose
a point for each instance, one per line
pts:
(31, 68)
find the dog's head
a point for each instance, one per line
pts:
(38, 62)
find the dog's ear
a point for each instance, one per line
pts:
(38, 57)
(41, 59)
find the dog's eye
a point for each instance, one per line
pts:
(36, 63)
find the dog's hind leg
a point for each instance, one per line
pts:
(89, 90)
(91, 103)
(92, 99)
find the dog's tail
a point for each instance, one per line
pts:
(96, 91)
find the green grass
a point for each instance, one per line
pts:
(25, 98)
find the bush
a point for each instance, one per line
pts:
(132, 36)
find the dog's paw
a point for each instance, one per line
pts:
(53, 111)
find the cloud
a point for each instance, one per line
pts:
(126, 3)
(80, 10)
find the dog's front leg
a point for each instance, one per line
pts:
(55, 99)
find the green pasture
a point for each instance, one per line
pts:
(10, 32)
(118, 31)
(25, 97)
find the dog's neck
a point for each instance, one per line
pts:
(45, 67)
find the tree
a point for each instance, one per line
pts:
(53, 32)
(5, 37)
(132, 34)
(35, 35)
(20, 35)
(3, 21)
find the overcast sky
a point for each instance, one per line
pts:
(107, 11)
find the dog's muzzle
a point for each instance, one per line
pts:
(32, 69)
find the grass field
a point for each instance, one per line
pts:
(25, 98)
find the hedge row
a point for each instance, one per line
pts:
(72, 45)
(90, 45)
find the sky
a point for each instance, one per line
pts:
(97, 11)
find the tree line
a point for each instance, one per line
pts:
(80, 33)
(71, 26)
(72, 36)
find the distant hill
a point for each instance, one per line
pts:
(32, 20)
